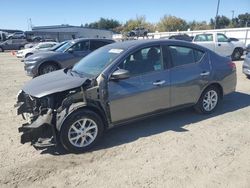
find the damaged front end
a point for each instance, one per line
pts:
(39, 114)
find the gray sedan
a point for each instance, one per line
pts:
(120, 83)
(65, 56)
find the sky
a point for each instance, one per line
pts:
(16, 13)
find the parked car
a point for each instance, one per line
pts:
(220, 44)
(120, 83)
(17, 35)
(138, 32)
(67, 55)
(184, 37)
(12, 44)
(42, 46)
(246, 66)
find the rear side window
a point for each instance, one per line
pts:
(203, 38)
(184, 55)
(97, 44)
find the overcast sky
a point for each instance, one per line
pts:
(16, 13)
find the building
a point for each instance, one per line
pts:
(67, 32)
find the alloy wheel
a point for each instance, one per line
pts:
(82, 132)
(210, 100)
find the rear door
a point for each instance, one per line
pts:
(146, 90)
(189, 73)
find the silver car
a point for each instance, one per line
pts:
(246, 65)
(120, 83)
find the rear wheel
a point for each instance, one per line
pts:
(47, 68)
(208, 101)
(237, 53)
(81, 131)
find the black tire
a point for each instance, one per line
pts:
(28, 54)
(47, 68)
(66, 131)
(1, 49)
(237, 53)
(200, 105)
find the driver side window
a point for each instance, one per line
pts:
(81, 46)
(143, 61)
(222, 38)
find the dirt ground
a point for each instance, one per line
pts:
(181, 149)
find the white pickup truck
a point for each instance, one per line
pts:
(220, 44)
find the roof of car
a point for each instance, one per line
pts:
(98, 39)
(137, 43)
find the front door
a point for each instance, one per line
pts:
(224, 47)
(147, 90)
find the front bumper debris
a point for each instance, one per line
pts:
(39, 130)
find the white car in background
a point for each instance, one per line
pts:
(219, 43)
(42, 46)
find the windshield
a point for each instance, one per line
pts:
(94, 63)
(58, 46)
(64, 47)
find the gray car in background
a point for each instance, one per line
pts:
(120, 83)
(246, 64)
(13, 44)
(64, 56)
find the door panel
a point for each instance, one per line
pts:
(138, 95)
(188, 79)
(146, 91)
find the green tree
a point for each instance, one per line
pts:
(172, 23)
(221, 22)
(103, 23)
(244, 20)
(139, 21)
(194, 25)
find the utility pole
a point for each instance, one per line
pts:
(218, 5)
(232, 14)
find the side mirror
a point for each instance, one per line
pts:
(120, 74)
(229, 40)
(71, 50)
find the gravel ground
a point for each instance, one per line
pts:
(181, 149)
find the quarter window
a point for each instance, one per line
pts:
(203, 38)
(143, 61)
(184, 55)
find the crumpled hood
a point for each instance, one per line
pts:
(52, 83)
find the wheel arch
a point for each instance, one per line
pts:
(215, 84)
(83, 106)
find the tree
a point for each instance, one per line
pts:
(139, 21)
(104, 24)
(221, 22)
(194, 25)
(172, 23)
(244, 20)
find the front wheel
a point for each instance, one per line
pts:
(47, 68)
(81, 131)
(208, 101)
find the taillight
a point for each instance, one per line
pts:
(232, 65)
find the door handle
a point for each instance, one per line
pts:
(219, 44)
(205, 73)
(159, 82)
